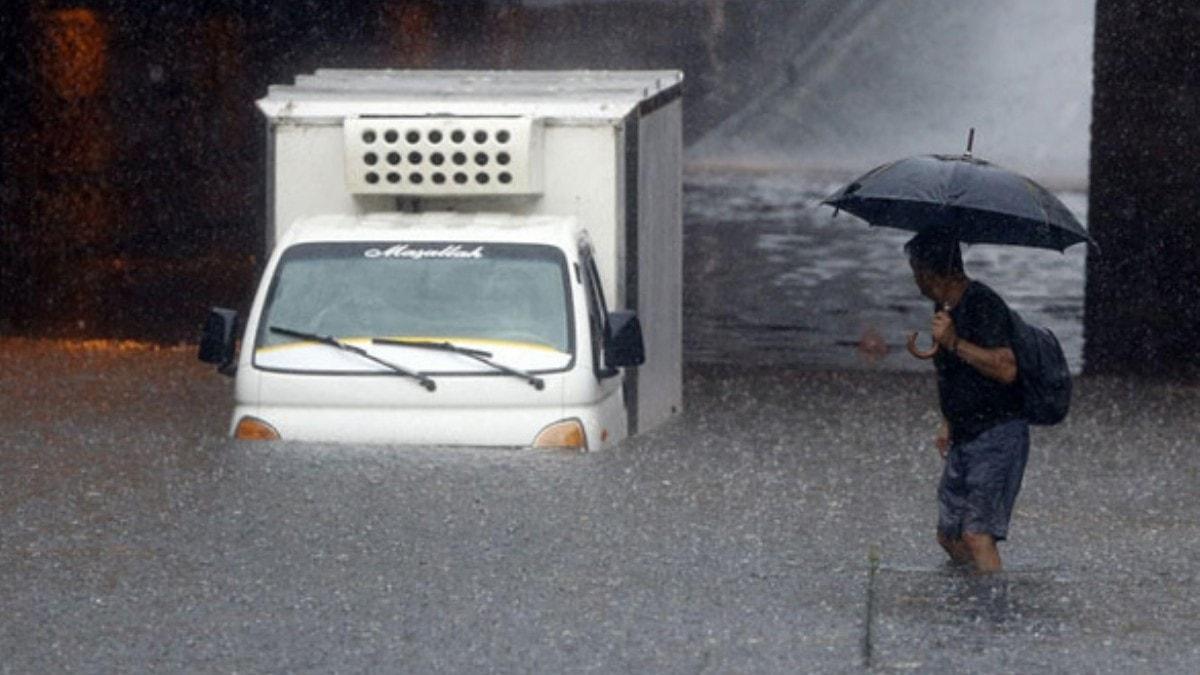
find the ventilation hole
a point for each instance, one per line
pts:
(481, 158)
(435, 137)
(460, 178)
(481, 178)
(503, 159)
(481, 136)
(460, 158)
(437, 159)
(393, 158)
(370, 158)
(412, 136)
(505, 177)
(414, 158)
(390, 136)
(372, 177)
(368, 137)
(439, 178)
(415, 178)
(458, 136)
(393, 177)
(502, 136)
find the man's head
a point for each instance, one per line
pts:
(935, 258)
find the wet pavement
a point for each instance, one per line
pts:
(783, 524)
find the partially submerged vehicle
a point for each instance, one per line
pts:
(444, 249)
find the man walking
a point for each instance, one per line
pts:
(983, 439)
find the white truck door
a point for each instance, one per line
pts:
(611, 395)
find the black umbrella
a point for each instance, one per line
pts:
(975, 201)
(978, 202)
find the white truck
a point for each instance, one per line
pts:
(446, 253)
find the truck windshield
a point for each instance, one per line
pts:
(504, 296)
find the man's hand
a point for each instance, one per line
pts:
(942, 440)
(943, 329)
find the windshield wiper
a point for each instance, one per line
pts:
(334, 342)
(477, 354)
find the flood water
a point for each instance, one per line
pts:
(737, 539)
(771, 277)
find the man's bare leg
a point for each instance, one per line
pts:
(983, 552)
(956, 549)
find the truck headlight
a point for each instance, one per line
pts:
(253, 429)
(566, 433)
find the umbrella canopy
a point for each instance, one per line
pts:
(980, 202)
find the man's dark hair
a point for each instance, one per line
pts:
(937, 252)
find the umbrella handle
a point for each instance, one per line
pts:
(923, 355)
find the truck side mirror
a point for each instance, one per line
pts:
(623, 344)
(217, 342)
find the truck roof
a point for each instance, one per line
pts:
(561, 231)
(580, 95)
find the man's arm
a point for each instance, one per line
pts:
(997, 363)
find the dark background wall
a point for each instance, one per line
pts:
(130, 150)
(131, 157)
(1142, 310)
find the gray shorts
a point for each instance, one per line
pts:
(981, 480)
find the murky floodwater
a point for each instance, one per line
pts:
(771, 277)
(739, 538)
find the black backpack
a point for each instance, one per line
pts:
(1042, 373)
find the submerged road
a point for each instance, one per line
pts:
(783, 524)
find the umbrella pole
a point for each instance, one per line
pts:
(923, 355)
(926, 354)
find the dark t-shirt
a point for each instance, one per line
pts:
(971, 402)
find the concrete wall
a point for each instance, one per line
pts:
(870, 81)
(1141, 311)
